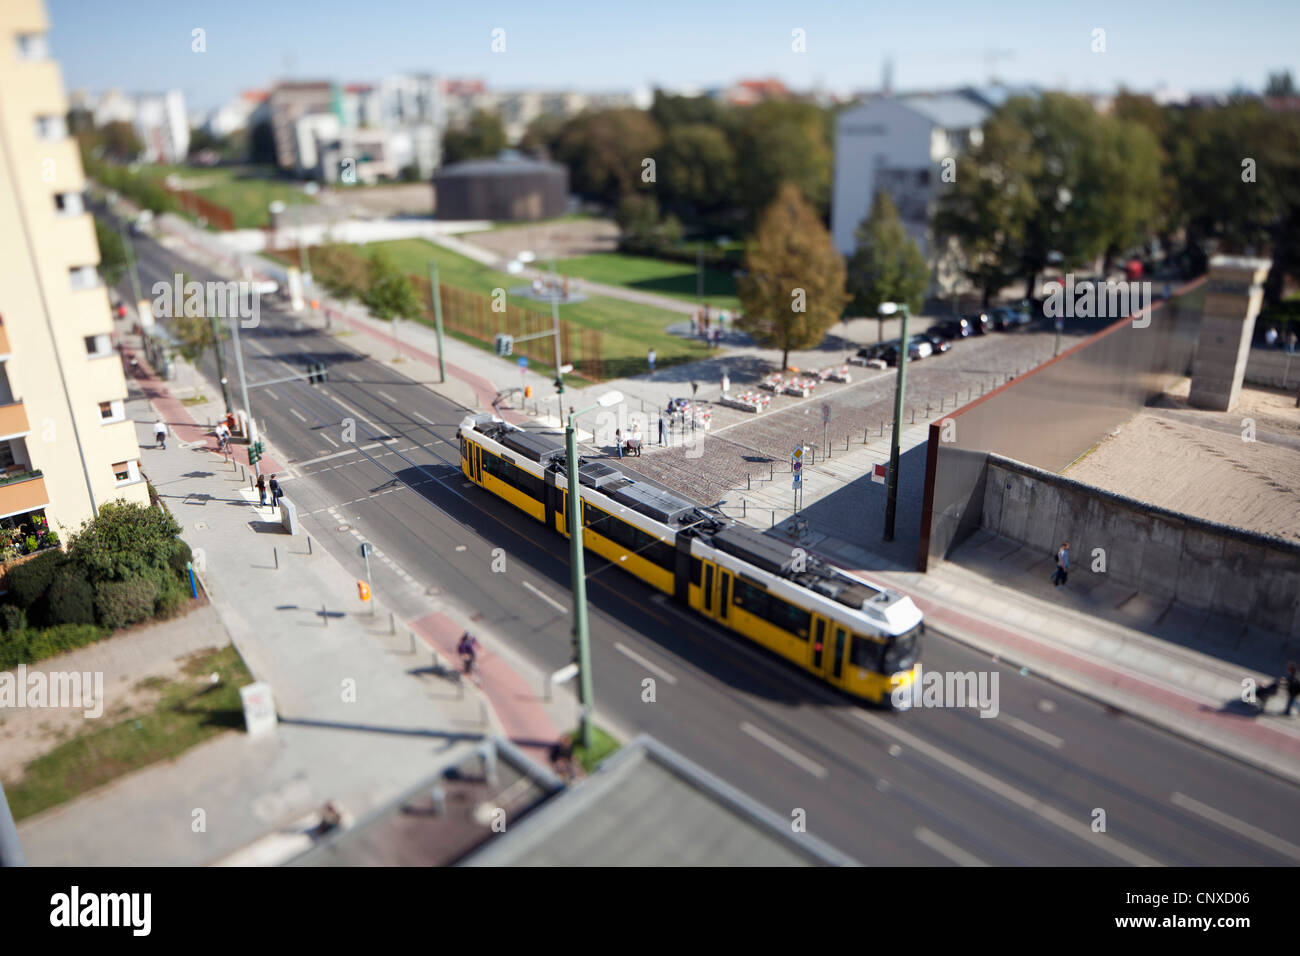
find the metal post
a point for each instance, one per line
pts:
(366, 555)
(436, 290)
(579, 578)
(221, 362)
(239, 367)
(134, 271)
(891, 499)
(275, 553)
(555, 326)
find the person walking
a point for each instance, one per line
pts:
(1270, 337)
(1291, 342)
(160, 433)
(618, 440)
(726, 383)
(261, 489)
(663, 429)
(276, 493)
(650, 360)
(1292, 686)
(634, 441)
(1062, 572)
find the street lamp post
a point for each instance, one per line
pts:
(891, 495)
(577, 570)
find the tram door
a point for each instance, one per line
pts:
(724, 594)
(818, 644)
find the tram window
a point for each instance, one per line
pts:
(628, 536)
(772, 609)
(865, 653)
(464, 447)
(512, 475)
(696, 571)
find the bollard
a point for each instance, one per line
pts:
(439, 796)
(747, 479)
(411, 634)
(276, 554)
(392, 623)
(325, 616)
(309, 544)
(743, 510)
(773, 524)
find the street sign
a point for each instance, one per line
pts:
(566, 369)
(366, 548)
(523, 361)
(878, 474)
(826, 412)
(796, 467)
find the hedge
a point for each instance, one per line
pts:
(122, 603)
(70, 599)
(34, 644)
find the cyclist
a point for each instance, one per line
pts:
(467, 648)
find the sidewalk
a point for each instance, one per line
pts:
(1165, 665)
(360, 715)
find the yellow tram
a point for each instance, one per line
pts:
(852, 634)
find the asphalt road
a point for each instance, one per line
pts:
(932, 786)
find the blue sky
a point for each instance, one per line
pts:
(625, 44)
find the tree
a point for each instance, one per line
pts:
(389, 295)
(1126, 196)
(482, 135)
(793, 289)
(119, 142)
(606, 152)
(125, 541)
(781, 142)
(696, 169)
(887, 265)
(540, 136)
(193, 335)
(1279, 85)
(671, 110)
(261, 144)
(112, 253)
(340, 271)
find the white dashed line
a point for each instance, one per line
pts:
(1240, 827)
(427, 421)
(385, 396)
(652, 668)
(330, 440)
(1030, 730)
(786, 751)
(272, 396)
(297, 414)
(552, 602)
(947, 848)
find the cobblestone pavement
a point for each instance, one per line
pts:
(741, 445)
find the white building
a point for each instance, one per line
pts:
(162, 126)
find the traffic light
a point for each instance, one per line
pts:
(505, 344)
(559, 386)
(255, 452)
(317, 373)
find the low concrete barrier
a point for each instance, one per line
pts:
(1242, 575)
(1273, 367)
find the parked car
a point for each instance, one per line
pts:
(953, 329)
(980, 322)
(938, 343)
(919, 347)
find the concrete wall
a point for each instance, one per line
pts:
(1273, 367)
(1211, 567)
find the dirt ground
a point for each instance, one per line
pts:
(578, 237)
(1198, 462)
(411, 199)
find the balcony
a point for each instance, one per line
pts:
(22, 491)
(13, 421)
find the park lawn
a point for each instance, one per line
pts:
(246, 191)
(628, 330)
(661, 276)
(190, 710)
(602, 746)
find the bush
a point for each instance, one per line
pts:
(32, 644)
(181, 556)
(122, 603)
(12, 618)
(172, 602)
(124, 541)
(28, 582)
(70, 599)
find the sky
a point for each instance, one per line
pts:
(1193, 45)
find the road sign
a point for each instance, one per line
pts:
(826, 412)
(366, 548)
(796, 467)
(878, 474)
(523, 361)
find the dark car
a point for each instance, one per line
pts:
(886, 352)
(938, 343)
(1006, 318)
(980, 322)
(952, 329)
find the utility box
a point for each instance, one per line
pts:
(288, 516)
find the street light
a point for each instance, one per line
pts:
(577, 571)
(885, 310)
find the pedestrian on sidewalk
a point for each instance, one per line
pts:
(1270, 337)
(618, 440)
(1062, 572)
(663, 429)
(726, 383)
(276, 493)
(1292, 687)
(1291, 343)
(634, 441)
(160, 433)
(261, 489)
(650, 360)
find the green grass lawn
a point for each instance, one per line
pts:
(245, 190)
(602, 745)
(190, 711)
(628, 330)
(676, 279)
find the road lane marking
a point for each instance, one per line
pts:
(297, 414)
(385, 396)
(1240, 827)
(786, 751)
(427, 421)
(330, 440)
(271, 395)
(652, 668)
(1030, 730)
(947, 848)
(337, 454)
(1070, 824)
(553, 603)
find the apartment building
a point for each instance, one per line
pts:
(66, 444)
(289, 103)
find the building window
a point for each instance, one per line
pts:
(51, 127)
(112, 411)
(97, 346)
(33, 46)
(69, 204)
(125, 472)
(83, 277)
